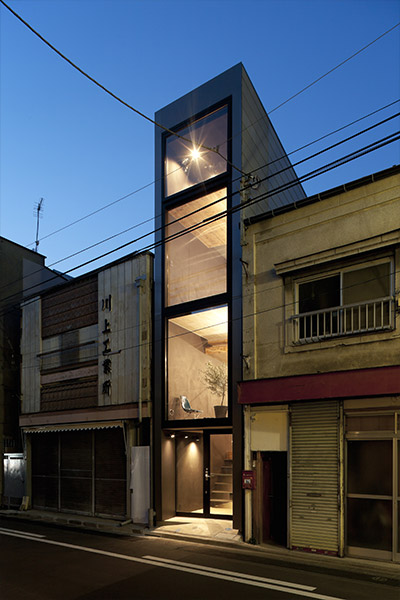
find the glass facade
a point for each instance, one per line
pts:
(187, 163)
(195, 271)
(197, 364)
(195, 253)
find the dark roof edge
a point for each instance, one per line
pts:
(4, 239)
(346, 187)
(89, 274)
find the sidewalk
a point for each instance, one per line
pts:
(217, 533)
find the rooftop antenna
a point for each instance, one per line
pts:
(39, 213)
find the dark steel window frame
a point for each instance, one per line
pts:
(193, 193)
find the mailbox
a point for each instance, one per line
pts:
(248, 480)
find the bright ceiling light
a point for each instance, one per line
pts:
(195, 154)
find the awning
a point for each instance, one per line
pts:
(73, 427)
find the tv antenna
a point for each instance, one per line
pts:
(39, 214)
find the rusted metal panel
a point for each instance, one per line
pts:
(30, 349)
(69, 394)
(73, 307)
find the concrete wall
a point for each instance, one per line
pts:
(344, 229)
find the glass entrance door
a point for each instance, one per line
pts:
(204, 474)
(219, 474)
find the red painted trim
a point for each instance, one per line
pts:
(380, 381)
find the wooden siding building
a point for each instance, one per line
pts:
(86, 391)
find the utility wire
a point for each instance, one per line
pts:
(244, 188)
(225, 197)
(94, 81)
(242, 317)
(248, 186)
(329, 166)
(110, 93)
(333, 69)
(79, 220)
(166, 129)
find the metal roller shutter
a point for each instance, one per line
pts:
(45, 471)
(80, 469)
(315, 476)
(110, 472)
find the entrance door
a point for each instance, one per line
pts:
(274, 497)
(204, 474)
(218, 475)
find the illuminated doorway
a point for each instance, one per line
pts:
(204, 474)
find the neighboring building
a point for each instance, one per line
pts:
(22, 272)
(86, 392)
(225, 144)
(321, 387)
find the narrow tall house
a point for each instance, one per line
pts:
(217, 157)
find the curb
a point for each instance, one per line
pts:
(376, 572)
(373, 571)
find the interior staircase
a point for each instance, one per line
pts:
(221, 486)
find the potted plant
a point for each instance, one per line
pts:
(216, 379)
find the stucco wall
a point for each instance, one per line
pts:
(345, 229)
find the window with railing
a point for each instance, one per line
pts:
(353, 301)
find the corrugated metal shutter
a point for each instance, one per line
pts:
(80, 469)
(315, 476)
(45, 471)
(76, 471)
(110, 472)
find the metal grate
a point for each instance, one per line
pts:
(374, 315)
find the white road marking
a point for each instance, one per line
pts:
(23, 533)
(194, 569)
(242, 575)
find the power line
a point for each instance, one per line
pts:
(101, 86)
(333, 69)
(79, 220)
(166, 129)
(241, 318)
(112, 94)
(316, 172)
(225, 197)
(284, 187)
(248, 186)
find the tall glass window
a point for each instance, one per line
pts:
(187, 163)
(197, 365)
(195, 249)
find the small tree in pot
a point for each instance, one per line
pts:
(216, 380)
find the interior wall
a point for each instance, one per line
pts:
(167, 478)
(186, 365)
(189, 474)
(193, 265)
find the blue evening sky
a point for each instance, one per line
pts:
(65, 140)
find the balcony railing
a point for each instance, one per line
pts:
(350, 319)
